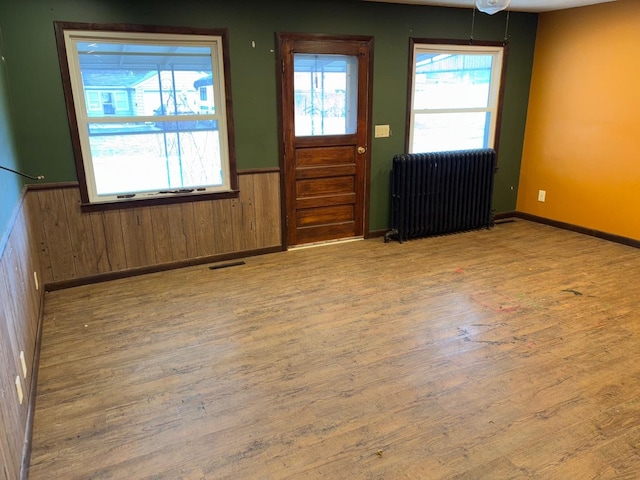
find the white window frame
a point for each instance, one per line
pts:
(493, 104)
(68, 36)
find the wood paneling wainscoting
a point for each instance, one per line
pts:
(20, 310)
(76, 245)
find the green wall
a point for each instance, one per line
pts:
(40, 122)
(10, 184)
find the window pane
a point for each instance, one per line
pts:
(145, 80)
(122, 101)
(326, 94)
(139, 157)
(449, 131)
(92, 99)
(448, 81)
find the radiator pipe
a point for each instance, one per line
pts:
(391, 233)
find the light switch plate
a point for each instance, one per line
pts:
(382, 131)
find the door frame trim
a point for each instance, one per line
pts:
(368, 42)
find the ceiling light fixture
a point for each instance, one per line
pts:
(492, 6)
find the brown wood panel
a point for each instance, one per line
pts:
(137, 233)
(326, 232)
(99, 241)
(12, 419)
(24, 263)
(314, 202)
(13, 295)
(189, 230)
(146, 234)
(236, 223)
(80, 234)
(324, 186)
(315, 172)
(5, 460)
(176, 232)
(316, 157)
(38, 236)
(56, 233)
(224, 217)
(25, 298)
(16, 276)
(246, 223)
(29, 258)
(324, 215)
(19, 310)
(268, 218)
(114, 238)
(437, 358)
(204, 227)
(161, 234)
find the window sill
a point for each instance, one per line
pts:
(148, 202)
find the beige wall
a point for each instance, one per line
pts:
(582, 139)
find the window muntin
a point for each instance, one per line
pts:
(145, 128)
(454, 100)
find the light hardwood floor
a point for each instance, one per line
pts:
(509, 353)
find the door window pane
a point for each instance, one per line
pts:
(325, 94)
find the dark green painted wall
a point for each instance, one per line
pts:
(40, 120)
(10, 184)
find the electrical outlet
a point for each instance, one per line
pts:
(19, 389)
(35, 277)
(542, 195)
(23, 362)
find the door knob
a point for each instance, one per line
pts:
(362, 149)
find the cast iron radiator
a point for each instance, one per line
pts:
(441, 192)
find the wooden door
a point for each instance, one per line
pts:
(325, 123)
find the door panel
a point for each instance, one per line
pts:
(320, 216)
(324, 232)
(325, 171)
(324, 186)
(325, 115)
(324, 156)
(316, 202)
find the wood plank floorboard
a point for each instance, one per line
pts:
(498, 354)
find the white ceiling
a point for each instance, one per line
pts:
(516, 5)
